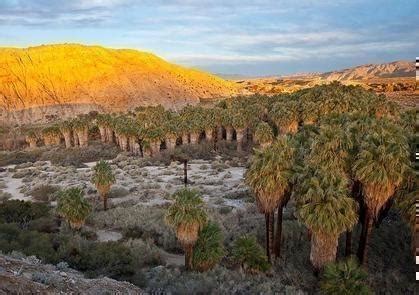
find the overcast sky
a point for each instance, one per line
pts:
(259, 37)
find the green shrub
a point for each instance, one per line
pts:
(12, 238)
(345, 277)
(94, 259)
(250, 255)
(209, 249)
(21, 212)
(46, 224)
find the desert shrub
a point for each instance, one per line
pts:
(77, 156)
(209, 249)
(239, 195)
(62, 265)
(249, 254)
(216, 281)
(225, 210)
(148, 220)
(21, 212)
(44, 192)
(94, 259)
(13, 238)
(345, 277)
(46, 224)
(19, 157)
(118, 192)
(4, 196)
(22, 173)
(2, 184)
(145, 252)
(41, 277)
(199, 151)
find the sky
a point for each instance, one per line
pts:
(252, 38)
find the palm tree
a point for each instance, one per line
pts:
(73, 207)
(51, 135)
(172, 130)
(285, 114)
(209, 248)
(309, 112)
(269, 176)
(66, 128)
(249, 254)
(32, 138)
(406, 199)
(345, 277)
(193, 118)
(227, 121)
(239, 123)
(380, 166)
(81, 128)
(209, 117)
(326, 209)
(102, 122)
(187, 216)
(103, 178)
(264, 134)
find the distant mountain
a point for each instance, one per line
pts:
(76, 78)
(394, 69)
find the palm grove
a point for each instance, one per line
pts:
(340, 154)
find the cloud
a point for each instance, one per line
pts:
(287, 54)
(42, 12)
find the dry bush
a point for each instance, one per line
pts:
(44, 192)
(149, 220)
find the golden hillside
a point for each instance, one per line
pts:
(108, 79)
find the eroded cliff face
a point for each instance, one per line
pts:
(29, 276)
(96, 78)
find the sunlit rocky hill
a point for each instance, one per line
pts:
(63, 79)
(396, 69)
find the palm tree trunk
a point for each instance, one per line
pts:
(348, 246)
(229, 133)
(278, 234)
(75, 138)
(67, 138)
(208, 135)
(188, 257)
(268, 253)
(185, 172)
(219, 133)
(239, 137)
(194, 137)
(271, 233)
(105, 202)
(170, 143)
(32, 144)
(102, 132)
(365, 238)
(185, 139)
(323, 249)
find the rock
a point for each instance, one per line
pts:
(13, 281)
